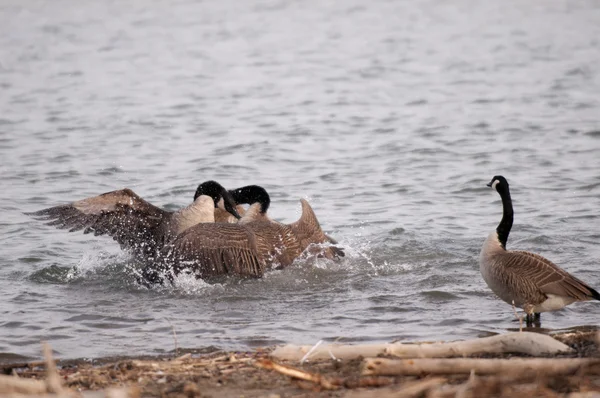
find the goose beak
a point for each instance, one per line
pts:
(489, 184)
(230, 204)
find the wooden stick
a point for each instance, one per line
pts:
(52, 378)
(534, 344)
(415, 367)
(52, 384)
(16, 385)
(520, 318)
(305, 357)
(323, 381)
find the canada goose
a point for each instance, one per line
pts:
(525, 279)
(135, 223)
(248, 249)
(254, 195)
(258, 199)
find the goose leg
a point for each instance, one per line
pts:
(529, 319)
(528, 308)
(533, 319)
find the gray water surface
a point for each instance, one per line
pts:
(388, 116)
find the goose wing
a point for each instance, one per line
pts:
(215, 249)
(123, 215)
(547, 277)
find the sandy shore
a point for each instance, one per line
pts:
(261, 373)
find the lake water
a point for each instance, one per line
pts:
(388, 116)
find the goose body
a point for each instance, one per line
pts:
(134, 223)
(526, 279)
(246, 249)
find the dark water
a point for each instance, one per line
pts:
(389, 116)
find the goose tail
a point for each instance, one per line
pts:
(308, 230)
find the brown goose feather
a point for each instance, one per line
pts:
(222, 215)
(550, 279)
(257, 200)
(122, 214)
(246, 249)
(522, 278)
(134, 223)
(530, 278)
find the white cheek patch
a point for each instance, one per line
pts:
(496, 182)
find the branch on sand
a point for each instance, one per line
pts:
(327, 383)
(533, 344)
(514, 366)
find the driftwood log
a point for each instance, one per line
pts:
(441, 366)
(534, 344)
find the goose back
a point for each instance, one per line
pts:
(533, 281)
(247, 249)
(214, 249)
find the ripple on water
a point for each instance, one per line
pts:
(393, 153)
(437, 296)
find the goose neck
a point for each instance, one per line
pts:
(506, 223)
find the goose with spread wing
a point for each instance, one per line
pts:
(137, 225)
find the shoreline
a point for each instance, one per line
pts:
(264, 372)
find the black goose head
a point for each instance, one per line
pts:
(216, 191)
(252, 194)
(500, 184)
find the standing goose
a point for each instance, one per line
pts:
(249, 249)
(528, 280)
(136, 224)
